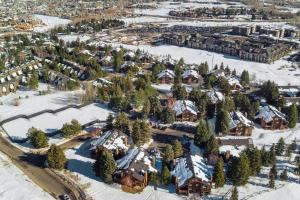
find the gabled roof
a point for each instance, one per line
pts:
(184, 105)
(215, 96)
(237, 117)
(112, 140)
(191, 166)
(190, 72)
(268, 112)
(166, 72)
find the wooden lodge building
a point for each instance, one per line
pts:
(166, 76)
(191, 77)
(270, 118)
(239, 125)
(230, 148)
(185, 110)
(192, 176)
(133, 169)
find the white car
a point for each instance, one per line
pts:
(66, 197)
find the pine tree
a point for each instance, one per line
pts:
(233, 72)
(234, 194)
(104, 165)
(218, 175)
(222, 122)
(212, 146)
(270, 91)
(154, 178)
(265, 157)
(146, 109)
(166, 176)
(33, 82)
(177, 147)
(272, 181)
(168, 116)
(202, 134)
(156, 107)
(37, 138)
(294, 145)
(280, 146)
(273, 171)
(293, 116)
(254, 160)
(141, 132)
(283, 175)
(272, 155)
(56, 158)
(245, 79)
(122, 123)
(242, 171)
(169, 153)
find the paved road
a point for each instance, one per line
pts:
(33, 166)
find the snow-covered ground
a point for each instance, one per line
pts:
(143, 19)
(163, 8)
(14, 185)
(258, 71)
(29, 102)
(50, 123)
(71, 38)
(80, 164)
(257, 187)
(50, 22)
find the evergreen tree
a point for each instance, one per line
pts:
(293, 116)
(273, 171)
(109, 121)
(245, 79)
(154, 178)
(254, 160)
(233, 72)
(234, 194)
(280, 146)
(33, 82)
(272, 155)
(68, 130)
(156, 107)
(179, 91)
(177, 148)
(104, 165)
(265, 157)
(294, 145)
(270, 91)
(146, 109)
(122, 123)
(222, 122)
(169, 153)
(56, 158)
(272, 181)
(283, 175)
(166, 176)
(242, 171)
(218, 175)
(212, 146)
(141, 132)
(37, 138)
(168, 116)
(202, 134)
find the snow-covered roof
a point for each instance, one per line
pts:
(268, 112)
(234, 150)
(167, 72)
(111, 140)
(190, 72)
(237, 117)
(182, 105)
(189, 167)
(215, 96)
(101, 81)
(234, 81)
(129, 53)
(128, 64)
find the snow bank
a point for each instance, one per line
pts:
(14, 185)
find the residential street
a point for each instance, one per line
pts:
(33, 166)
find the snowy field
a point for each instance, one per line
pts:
(50, 22)
(143, 19)
(163, 8)
(72, 38)
(14, 185)
(29, 102)
(80, 164)
(50, 123)
(259, 71)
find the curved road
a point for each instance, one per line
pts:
(33, 166)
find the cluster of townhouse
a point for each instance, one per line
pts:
(230, 12)
(258, 49)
